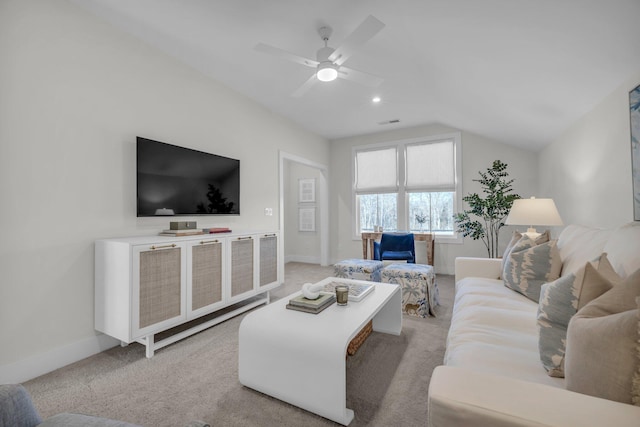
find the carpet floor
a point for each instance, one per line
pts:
(197, 378)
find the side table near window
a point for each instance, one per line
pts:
(368, 237)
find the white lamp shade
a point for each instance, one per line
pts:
(326, 72)
(534, 212)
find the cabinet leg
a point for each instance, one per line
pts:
(123, 344)
(149, 346)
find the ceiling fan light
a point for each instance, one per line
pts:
(326, 72)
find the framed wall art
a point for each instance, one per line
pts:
(306, 219)
(307, 193)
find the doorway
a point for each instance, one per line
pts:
(304, 210)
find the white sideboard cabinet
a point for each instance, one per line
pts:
(145, 285)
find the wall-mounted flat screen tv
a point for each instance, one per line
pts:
(174, 180)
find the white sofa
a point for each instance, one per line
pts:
(492, 374)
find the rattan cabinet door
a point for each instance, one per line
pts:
(242, 265)
(205, 276)
(158, 288)
(268, 260)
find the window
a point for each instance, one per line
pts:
(377, 188)
(408, 185)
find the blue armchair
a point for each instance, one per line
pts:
(395, 247)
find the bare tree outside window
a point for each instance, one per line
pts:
(378, 209)
(436, 207)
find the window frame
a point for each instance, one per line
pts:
(402, 192)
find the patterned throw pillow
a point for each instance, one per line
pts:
(529, 266)
(515, 238)
(602, 345)
(560, 300)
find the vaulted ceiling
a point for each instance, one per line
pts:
(517, 71)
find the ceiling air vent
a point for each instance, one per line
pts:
(389, 122)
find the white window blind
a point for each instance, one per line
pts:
(431, 166)
(377, 170)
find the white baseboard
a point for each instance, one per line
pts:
(40, 364)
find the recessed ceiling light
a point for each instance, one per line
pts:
(376, 99)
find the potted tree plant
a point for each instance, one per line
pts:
(486, 215)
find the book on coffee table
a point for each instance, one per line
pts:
(314, 306)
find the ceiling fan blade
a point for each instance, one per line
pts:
(265, 48)
(365, 79)
(369, 28)
(305, 86)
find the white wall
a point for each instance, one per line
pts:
(478, 154)
(300, 246)
(74, 94)
(588, 169)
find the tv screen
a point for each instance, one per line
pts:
(173, 180)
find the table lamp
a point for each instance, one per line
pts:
(533, 212)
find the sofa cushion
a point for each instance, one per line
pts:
(530, 265)
(560, 300)
(623, 248)
(493, 330)
(579, 244)
(460, 397)
(602, 344)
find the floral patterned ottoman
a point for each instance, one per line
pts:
(419, 288)
(358, 269)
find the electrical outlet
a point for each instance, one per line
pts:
(268, 212)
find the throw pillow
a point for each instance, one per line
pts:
(602, 344)
(529, 266)
(560, 300)
(515, 238)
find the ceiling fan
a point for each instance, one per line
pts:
(329, 61)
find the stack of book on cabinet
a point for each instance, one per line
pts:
(219, 230)
(314, 306)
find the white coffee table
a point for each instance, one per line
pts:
(300, 357)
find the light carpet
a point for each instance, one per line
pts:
(197, 378)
